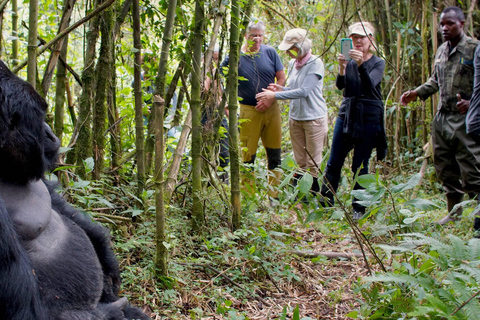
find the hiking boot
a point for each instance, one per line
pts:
(452, 200)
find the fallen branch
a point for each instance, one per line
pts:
(111, 216)
(328, 254)
(209, 267)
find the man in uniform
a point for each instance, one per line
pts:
(259, 65)
(456, 155)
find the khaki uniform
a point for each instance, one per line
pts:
(456, 155)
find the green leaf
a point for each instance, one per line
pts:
(422, 204)
(284, 313)
(296, 313)
(395, 278)
(427, 266)
(289, 163)
(353, 314)
(315, 215)
(414, 180)
(305, 183)
(135, 212)
(287, 180)
(89, 164)
(366, 180)
(80, 184)
(411, 219)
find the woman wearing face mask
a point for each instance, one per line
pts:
(308, 120)
(360, 124)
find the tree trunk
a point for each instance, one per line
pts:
(177, 157)
(212, 94)
(83, 149)
(104, 78)
(60, 92)
(92, 14)
(114, 125)
(161, 250)
(161, 256)
(15, 32)
(184, 67)
(196, 82)
(137, 91)
(32, 43)
(113, 113)
(232, 91)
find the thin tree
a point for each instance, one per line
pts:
(15, 32)
(61, 78)
(60, 89)
(232, 91)
(104, 78)
(159, 93)
(137, 91)
(113, 112)
(32, 42)
(197, 80)
(83, 149)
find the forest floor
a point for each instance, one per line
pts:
(220, 280)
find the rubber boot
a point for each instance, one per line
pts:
(452, 200)
(315, 189)
(273, 182)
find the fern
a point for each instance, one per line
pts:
(434, 282)
(474, 249)
(472, 272)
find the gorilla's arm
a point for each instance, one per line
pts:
(100, 238)
(19, 293)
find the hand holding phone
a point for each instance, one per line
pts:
(345, 47)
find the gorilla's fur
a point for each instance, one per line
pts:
(56, 264)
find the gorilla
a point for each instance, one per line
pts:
(55, 262)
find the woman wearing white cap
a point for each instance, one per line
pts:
(308, 120)
(359, 124)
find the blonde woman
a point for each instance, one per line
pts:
(359, 126)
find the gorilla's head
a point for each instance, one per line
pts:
(27, 145)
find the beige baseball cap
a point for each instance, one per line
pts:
(293, 36)
(360, 29)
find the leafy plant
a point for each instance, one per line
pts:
(437, 279)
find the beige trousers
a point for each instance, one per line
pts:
(311, 136)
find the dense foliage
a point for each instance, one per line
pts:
(270, 266)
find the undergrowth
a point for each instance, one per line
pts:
(432, 272)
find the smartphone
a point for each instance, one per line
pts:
(345, 47)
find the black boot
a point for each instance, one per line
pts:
(296, 178)
(476, 228)
(315, 186)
